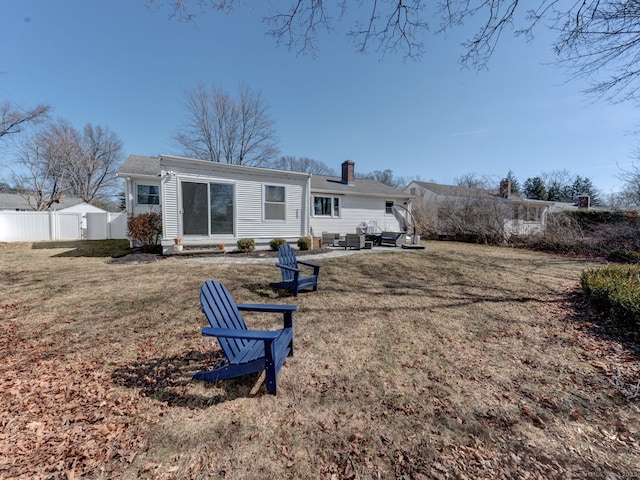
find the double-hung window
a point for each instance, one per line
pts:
(388, 207)
(326, 206)
(274, 202)
(148, 194)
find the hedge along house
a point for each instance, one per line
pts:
(342, 204)
(207, 203)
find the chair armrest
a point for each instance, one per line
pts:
(315, 266)
(308, 264)
(234, 333)
(265, 307)
(286, 310)
(287, 267)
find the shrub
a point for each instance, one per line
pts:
(276, 242)
(614, 291)
(624, 255)
(145, 228)
(304, 243)
(246, 244)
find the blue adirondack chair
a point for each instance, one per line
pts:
(246, 351)
(291, 274)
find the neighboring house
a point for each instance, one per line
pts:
(454, 210)
(206, 202)
(583, 202)
(342, 204)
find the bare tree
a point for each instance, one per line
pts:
(630, 195)
(221, 129)
(593, 36)
(474, 180)
(13, 118)
(386, 177)
(58, 160)
(42, 181)
(557, 183)
(475, 217)
(93, 173)
(302, 164)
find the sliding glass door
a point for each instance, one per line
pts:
(207, 208)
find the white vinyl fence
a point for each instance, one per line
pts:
(42, 226)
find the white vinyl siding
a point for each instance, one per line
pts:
(249, 205)
(353, 211)
(170, 225)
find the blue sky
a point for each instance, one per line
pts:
(122, 65)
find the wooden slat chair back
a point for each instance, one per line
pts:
(245, 351)
(292, 279)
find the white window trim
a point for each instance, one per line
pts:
(148, 184)
(385, 207)
(333, 198)
(207, 181)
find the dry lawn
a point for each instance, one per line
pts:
(458, 361)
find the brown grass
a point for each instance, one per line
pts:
(459, 361)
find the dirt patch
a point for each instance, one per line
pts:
(137, 258)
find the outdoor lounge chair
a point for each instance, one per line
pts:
(245, 351)
(353, 240)
(292, 279)
(330, 239)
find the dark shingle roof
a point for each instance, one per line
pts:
(140, 165)
(362, 186)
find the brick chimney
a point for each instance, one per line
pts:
(348, 172)
(505, 188)
(584, 201)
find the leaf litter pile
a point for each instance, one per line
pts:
(458, 361)
(60, 415)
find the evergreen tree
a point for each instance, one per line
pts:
(534, 189)
(515, 185)
(555, 193)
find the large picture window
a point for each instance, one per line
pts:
(207, 208)
(148, 194)
(274, 202)
(326, 206)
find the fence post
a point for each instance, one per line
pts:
(52, 225)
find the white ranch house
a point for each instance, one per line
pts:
(206, 203)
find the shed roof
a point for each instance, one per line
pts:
(16, 201)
